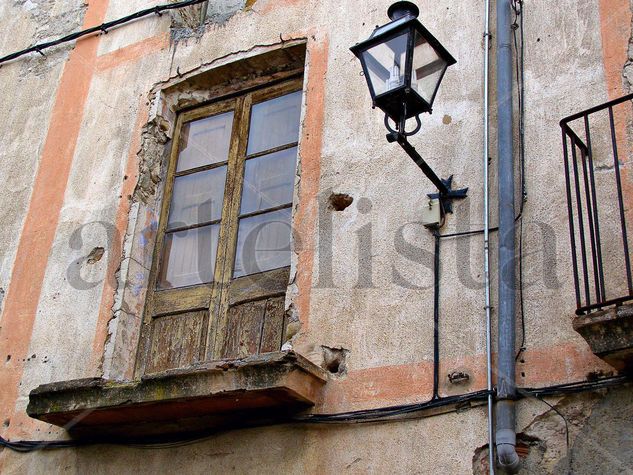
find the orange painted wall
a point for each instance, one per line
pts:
(39, 229)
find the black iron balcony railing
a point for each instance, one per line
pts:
(596, 142)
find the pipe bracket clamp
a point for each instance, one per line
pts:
(506, 436)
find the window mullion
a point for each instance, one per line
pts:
(228, 231)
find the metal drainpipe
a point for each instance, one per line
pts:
(506, 386)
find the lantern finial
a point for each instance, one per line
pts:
(401, 9)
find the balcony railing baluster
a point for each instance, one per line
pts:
(594, 285)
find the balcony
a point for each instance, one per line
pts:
(257, 390)
(597, 146)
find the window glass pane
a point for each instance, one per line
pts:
(385, 63)
(197, 198)
(427, 68)
(205, 141)
(263, 243)
(269, 180)
(189, 257)
(274, 123)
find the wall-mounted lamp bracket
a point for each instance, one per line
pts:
(447, 198)
(400, 128)
(446, 193)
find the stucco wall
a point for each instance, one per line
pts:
(57, 315)
(31, 82)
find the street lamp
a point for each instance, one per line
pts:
(404, 65)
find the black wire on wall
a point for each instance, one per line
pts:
(383, 414)
(103, 28)
(517, 6)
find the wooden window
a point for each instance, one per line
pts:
(221, 263)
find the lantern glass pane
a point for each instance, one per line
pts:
(385, 63)
(428, 67)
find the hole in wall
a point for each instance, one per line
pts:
(598, 374)
(529, 449)
(95, 255)
(333, 366)
(335, 360)
(340, 201)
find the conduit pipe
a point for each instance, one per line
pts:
(486, 157)
(506, 385)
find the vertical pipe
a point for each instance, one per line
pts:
(486, 158)
(506, 385)
(203, 12)
(436, 317)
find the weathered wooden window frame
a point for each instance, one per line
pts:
(211, 302)
(227, 77)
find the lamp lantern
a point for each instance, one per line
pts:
(403, 63)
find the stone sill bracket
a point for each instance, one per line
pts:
(609, 334)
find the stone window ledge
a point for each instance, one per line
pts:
(609, 333)
(250, 391)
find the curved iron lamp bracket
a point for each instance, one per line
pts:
(401, 127)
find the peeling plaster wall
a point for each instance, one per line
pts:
(85, 223)
(33, 82)
(599, 431)
(368, 307)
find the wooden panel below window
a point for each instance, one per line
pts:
(243, 333)
(254, 327)
(176, 341)
(169, 302)
(272, 330)
(258, 286)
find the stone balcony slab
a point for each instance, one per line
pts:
(609, 333)
(256, 390)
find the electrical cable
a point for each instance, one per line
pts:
(386, 413)
(467, 233)
(517, 25)
(103, 28)
(436, 316)
(562, 416)
(553, 408)
(383, 414)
